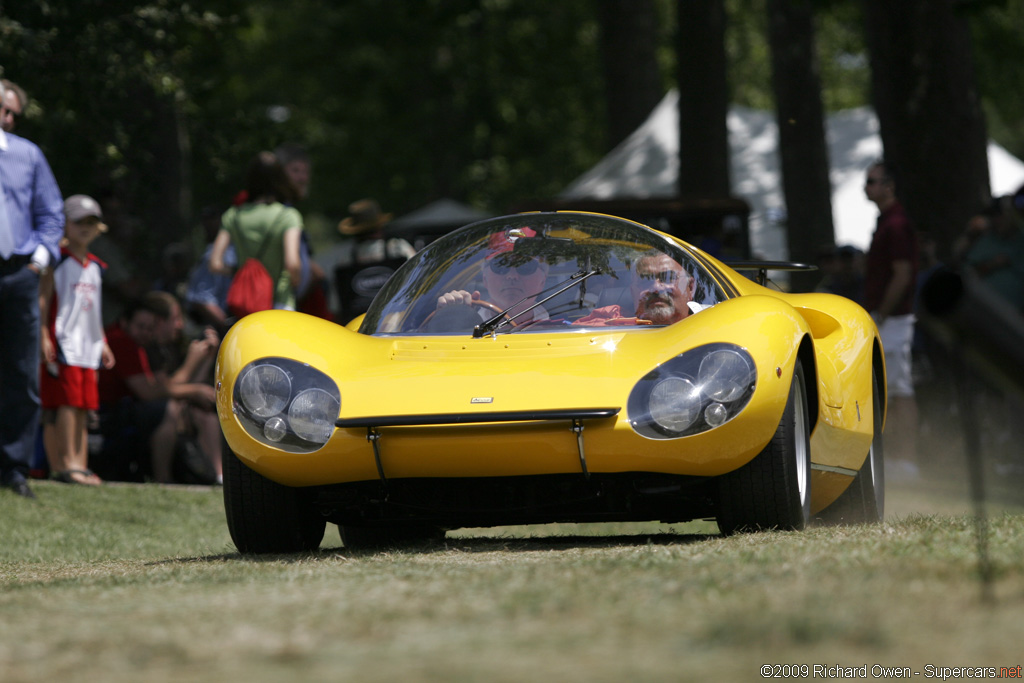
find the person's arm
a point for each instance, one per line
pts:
(899, 284)
(186, 382)
(47, 215)
(200, 355)
(107, 356)
(196, 393)
(292, 254)
(145, 387)
(220, 245)
(46, 344)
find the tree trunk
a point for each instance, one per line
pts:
(932, 125)
(633, 87)
(703, 100)
(803, 150)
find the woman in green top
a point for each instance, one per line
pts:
(265, 227)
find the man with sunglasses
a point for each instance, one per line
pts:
(889, 278)
(12, 106)
(663, 289)
(510, 279)
(663, 292)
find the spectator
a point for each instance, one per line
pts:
(266, 228)
(844, 272)
(14, 103)
(206, 294)
(73, 344)
(123, 280)
(31, 226)
(363, 263)
(186, 369)
(133, 408)
(889, 280)
(311, 294)
(993, 246)
(297, 167)
(175, 265)
(140, 408)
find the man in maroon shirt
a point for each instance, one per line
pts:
(890, 274)
(138, 428)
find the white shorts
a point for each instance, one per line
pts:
(897, 333)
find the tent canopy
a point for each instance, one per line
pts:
(646, 165)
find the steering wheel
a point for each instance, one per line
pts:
(453, 317)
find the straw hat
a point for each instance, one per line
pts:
(366, 217)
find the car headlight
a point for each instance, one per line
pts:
(675, 404)
(287, 404)
(696, 391)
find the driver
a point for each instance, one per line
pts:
(663, 292)
(508, 279)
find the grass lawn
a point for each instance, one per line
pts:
(132, 583)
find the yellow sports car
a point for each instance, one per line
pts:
(552, 367)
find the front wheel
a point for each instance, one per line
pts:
(773, 491)
(267, 517)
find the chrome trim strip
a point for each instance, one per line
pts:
(475, 418)
(834, 470)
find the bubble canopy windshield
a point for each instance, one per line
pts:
(541, 272)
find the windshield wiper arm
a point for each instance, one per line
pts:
(494, 324)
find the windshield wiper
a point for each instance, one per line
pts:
(492, 325)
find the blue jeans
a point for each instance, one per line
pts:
(19, 370)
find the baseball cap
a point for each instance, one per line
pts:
(79, 206)
(505, 241)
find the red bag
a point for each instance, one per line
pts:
(251, 289)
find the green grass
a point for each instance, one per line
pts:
(129, 583)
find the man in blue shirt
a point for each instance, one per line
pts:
(31, 226)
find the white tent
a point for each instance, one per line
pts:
(646, 165)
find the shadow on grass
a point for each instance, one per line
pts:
(472, 544)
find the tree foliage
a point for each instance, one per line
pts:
(160, 104)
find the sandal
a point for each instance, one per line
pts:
(69, 477)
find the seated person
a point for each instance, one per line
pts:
(140, 406)
(511, 281)
(663, 292)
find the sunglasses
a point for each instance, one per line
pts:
(527, 268)
(667, 277)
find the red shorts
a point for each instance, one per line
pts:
(73, 386)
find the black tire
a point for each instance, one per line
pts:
(773, 491)
(863, 502)
(389, 536)
(267, 517)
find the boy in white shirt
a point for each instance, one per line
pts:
(73, 345)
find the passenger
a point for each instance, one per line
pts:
(663, 292)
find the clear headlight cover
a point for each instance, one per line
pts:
(312, 414)
(264, 389)
(286, 404)
(696, 391)
(675, 403)
(725, 374)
